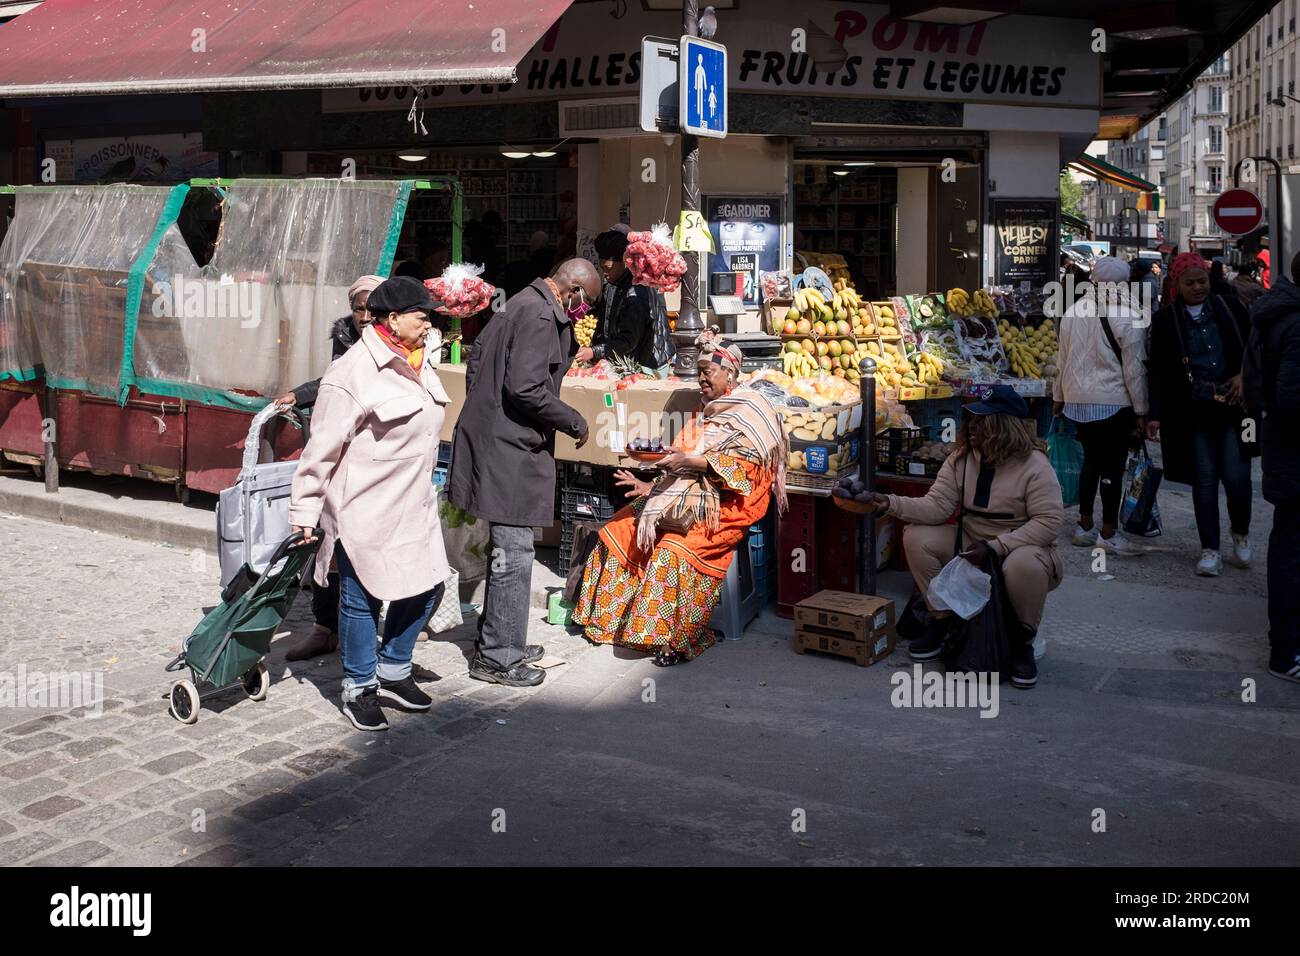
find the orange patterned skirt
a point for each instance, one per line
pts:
(665, 606)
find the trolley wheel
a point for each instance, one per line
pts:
(257, 681)
(184, 702)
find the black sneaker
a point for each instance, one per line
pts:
(533, 653)
(404, 693)
(928, 645)
(521, 675)
(1285, 666)
(1024, 672)
(365, 712)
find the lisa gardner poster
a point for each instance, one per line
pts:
(747, 236)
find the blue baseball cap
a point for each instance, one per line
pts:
(1001, 400)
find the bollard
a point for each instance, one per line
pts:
(867, 475)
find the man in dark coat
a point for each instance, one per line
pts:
(634, 318)
(503, 464)
(1271, 382)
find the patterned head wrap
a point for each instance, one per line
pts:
(364, 284)
(713, 350)
(1184, 262)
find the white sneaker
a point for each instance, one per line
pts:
(1119, 544)
(1084, 538)
(1241, 553)
(1210, 564)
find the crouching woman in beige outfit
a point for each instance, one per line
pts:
(366, 478)
(999, 477)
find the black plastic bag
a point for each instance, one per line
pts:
(983, 644)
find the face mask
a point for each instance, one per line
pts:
(576, 312)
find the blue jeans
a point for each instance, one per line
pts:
(1217, 457)
(359, 623)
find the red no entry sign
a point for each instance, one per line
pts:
(1238, 211)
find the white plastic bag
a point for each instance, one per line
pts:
(961, 588)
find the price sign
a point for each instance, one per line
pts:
(692, 233)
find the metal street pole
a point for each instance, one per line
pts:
(1276, 252)
(867, 475)
(689, 324)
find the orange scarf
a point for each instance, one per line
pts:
(414, 357)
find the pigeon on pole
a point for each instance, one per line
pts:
(708, 23)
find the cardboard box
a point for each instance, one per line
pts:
(647, 409)
(823, 457)
(453, 381)
(858, 626)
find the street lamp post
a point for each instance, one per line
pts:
(689, 324)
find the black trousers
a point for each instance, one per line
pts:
(1105, 453)
(325, 603)
(1284, 580)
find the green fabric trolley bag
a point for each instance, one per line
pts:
(229, 644)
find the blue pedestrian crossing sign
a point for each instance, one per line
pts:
(703, 85)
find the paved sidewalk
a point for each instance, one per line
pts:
(1138, 714)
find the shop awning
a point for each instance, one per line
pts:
(74, 47)
(1075, 223)
(1100, 169)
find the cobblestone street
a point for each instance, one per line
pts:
(1138, 712)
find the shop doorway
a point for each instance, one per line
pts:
(846, 217)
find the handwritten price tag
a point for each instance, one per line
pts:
(692, 233)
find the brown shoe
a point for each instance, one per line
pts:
(319, 641)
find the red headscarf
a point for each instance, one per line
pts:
(1182, 263)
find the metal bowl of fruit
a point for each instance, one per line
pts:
(647, 449)
(851, 494)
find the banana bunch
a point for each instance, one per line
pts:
(958, 301)
(929, 368)
(845, 299)
(1023, 362)
(809, 299)
(983, 303)
(799, 364)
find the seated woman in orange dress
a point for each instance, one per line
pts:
(656, 574)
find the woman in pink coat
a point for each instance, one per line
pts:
(366, 479)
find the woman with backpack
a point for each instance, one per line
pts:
(1197, 415)
(1101, 387)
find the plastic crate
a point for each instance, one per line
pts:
(837, 547)
(796, 529)
(598, 479)
(894, 442)
(910, 467)
(936, 414)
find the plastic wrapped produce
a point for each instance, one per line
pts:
(653, 261)
(461, 290)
